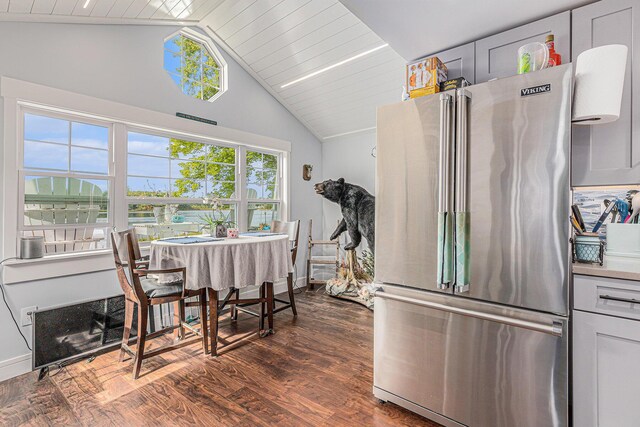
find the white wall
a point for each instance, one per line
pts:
(124, 64)
(350, 158)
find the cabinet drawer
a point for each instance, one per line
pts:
(607, 296)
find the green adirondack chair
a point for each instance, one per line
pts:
(60, 201)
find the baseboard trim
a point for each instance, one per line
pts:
(15, 366)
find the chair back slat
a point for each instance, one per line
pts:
(122, 246)
(292, 229)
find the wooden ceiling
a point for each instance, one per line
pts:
(280, 41)
(182, 10)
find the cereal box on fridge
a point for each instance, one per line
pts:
(426, 74)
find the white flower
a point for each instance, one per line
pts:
(214, 202)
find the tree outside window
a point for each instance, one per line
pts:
(193, 67)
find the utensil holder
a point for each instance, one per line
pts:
(587, 249)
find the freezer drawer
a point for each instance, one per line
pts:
(475, 363)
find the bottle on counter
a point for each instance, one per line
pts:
(554, 57)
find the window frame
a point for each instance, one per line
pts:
(279, 186)
(223, 82)
(23, 172)
(19, 97)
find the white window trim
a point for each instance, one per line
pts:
(109, 177)
(19, 94)
(213, 50)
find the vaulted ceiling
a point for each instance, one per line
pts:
(277, 41)
(346, 69)
(104, 10)
(280, 41)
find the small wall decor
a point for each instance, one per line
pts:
(306, 172)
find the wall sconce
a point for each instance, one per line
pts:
(306, 172)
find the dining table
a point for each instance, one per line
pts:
(227, 265)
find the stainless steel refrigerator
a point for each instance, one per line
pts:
(472, 253)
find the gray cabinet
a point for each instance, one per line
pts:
(497, 55)
(606, 371)
(609, 154)
(606, 352)
(460, 61)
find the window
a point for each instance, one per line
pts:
(66, 182)
(79, 174)
(263, 189)
(194, 65)
(169, 180)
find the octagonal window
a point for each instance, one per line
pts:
(194, 65)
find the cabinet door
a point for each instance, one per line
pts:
(606, 371)
(497, 55)
(460, 61)
(609, 154)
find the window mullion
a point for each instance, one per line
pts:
(242, 175)
(120, 206)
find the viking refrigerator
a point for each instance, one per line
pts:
(472, 257)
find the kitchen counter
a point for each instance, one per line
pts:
(614, 267)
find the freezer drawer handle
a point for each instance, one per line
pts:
(553, 329)
(629, 300)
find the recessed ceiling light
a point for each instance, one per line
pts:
(337, 64)
(86, 3)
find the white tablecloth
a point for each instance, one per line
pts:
(237, 263)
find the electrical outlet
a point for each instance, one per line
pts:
(25, 315)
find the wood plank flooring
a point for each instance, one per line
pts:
(315, 371)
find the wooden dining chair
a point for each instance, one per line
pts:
(144, 291)
(292, 229)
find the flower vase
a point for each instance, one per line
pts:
(221, 230)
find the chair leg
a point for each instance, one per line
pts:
(270, 301)
(204, 324)
(292, 300)
(143, 311)
(262, 307)
(213, 321)
(129, 306)
(234, 308)
(182, 319)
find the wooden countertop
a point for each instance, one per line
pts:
(614, 267)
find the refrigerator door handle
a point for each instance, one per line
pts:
(554, 328)
(445, 220)
(462, 215)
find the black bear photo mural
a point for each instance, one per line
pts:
(358, 211)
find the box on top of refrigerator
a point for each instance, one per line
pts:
(425, 76)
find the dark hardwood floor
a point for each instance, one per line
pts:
(315, 371)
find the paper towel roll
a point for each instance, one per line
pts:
(599, 81)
